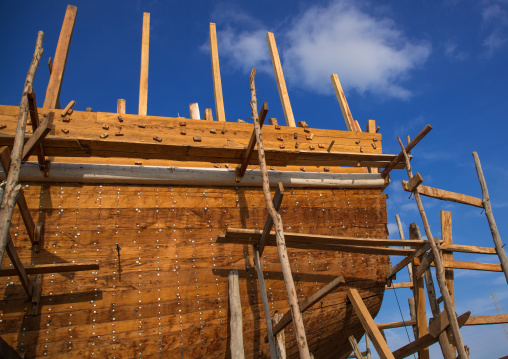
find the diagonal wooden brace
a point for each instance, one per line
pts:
(34, 143)
(252, 143)
(417, 253)
(277, 202)
(18, 266)
(34, 117)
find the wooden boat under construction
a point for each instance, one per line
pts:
(139, 221)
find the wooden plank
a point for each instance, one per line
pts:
(252, 142)
(143, 77)
(446, 236)
(217, 84)
(12, 182)
(491, 267)
(408, 148)
(277, 202)
(235, 309)
(400, 285)
(309, 302)
(281, 82)
(401, 234)
(490, 217)
(60, 60)
(280, 338)
(194, 111)
(406, 261)
(414, 182)
(34, 142)
(444, 195)
(19, 269)
(344, 107)
(368, 324)
(487, 319)
(8, 352)
(120, 106)
(421, 311)
(34, 118)
(208, 114)
(51, 268)
(425, 341)
(396, 324)
(67, 108)
(450, 248)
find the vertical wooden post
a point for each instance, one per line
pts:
(344, 107)
(60, 60)
(208, 114)
(120, 106)
(367, 346)
(143, 78)
(356, 350)
(280, 337)
(194, 111)
(401, 234)
(421, 311)
(281, 83)
(266, 307)
(371, 128)
(301, 338)
(490, 217)
(446, 237)
(235, 308)
(12, 186)
(217, 84)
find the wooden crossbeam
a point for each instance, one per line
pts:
(309, 302)
(444, 195)
(281, 83)
(491, 267)
(467, 249)
(426, 340)
(406, 261)
(51, 268)
(472, 320)
(18, 268)
(34, 118)
(400, 285)
(252, 142)
(34, 143)
(95, 147)
(409, 147)
(60, 59)
(368, 324)
(277, 202)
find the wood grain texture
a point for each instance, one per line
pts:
(166, 290)
(143, 77)
(217, 84)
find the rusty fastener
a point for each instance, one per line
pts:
(182, 132)
(104, 135)
(277, 127)
(295, 136)
(118, 133)
(141, 126)
(106, 127)
(120, 118)
(216, 165)
(374, 145)
(321, 145)
(196, 138)
(66, 119)
(280, 138)
(282, 146)
(311, 147)
(212, 130)
(357, 142)
(64, 130)
(2, 125)
(157, 138)
(183, 123)
(326, 169)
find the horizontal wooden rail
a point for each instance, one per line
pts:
(475, 320)
(467, 249)
(444, 195)
(51, 268)
(472, 265)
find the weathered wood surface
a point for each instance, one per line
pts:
(444, 195)
(217, 84)
(143, 77)
(172, 276)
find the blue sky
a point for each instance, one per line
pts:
(402, 63)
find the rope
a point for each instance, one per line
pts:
(403, 320)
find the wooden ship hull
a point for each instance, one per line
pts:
(162, 284)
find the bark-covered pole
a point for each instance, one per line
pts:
(440, 274)
(490, 217)
(279, 231)
(11, 186)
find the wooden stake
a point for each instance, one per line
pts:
(281, 338)
(12, 186)
(344, 107)
(194, 111)
(208, 114)
(401, 234)
(490, 217)
(281, 247)
(266, 306)
(368, 324)
(235, 309)
(143, 78)
(281, 83)
(60, 59)
(446, 236)
(436, 250)
(217, 84)
(120, 106)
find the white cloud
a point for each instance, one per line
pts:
(495, 23)
(451, 52)
(369, 53)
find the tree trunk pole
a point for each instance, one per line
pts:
(438, 259)
(235, 308)
(490, 217)
(11, 188)
(279, 232)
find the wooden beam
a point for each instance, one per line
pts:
(491, 267)
(252, 141)
(277, 202)
(487, 319)
(391, 325)
(368, 324)
(194, 111)
(27, 218)
(34, 118)
(400, 157)
(280, 338)
(400, 285)
(406, 261)
(51, 268)
(421, 311)
(446, 236)
(143, 78)
(34, 142)
(60, 60)
(444, 195)
(450, 248)
(301, 338)
(356, 350)
(235, 310)
(425, 341)
(401, 234)
(120, 106)
(12, 186)
(490, 217)
(281, 82)
(344, 107)
(217, 84)
(19, 269)
(208, 114)
(414, 182)
(67, 110)
(309, 302)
